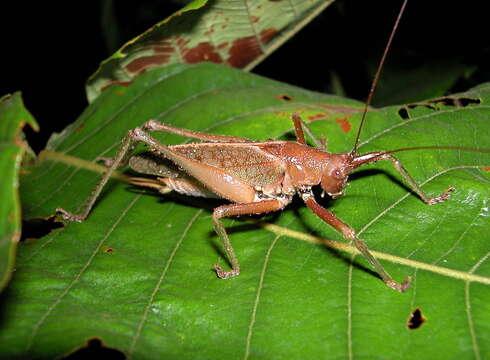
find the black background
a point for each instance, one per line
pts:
(49, 50)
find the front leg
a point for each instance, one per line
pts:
(376, 156)
(349, 234)
(259, 207)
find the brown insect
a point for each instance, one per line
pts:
(257, 177)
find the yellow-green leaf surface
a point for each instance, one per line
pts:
(13, 117)
(239, 33)
(137, 274)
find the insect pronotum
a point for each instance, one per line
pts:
(256, 177)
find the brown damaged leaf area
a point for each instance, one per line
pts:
(115, 82)
(238, 53)
(344, 123)
(317, 116)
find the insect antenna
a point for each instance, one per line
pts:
(376, 78)
(461, 148)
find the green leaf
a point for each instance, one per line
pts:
(13, 117)
(138, 275)
(400, 86)
(234, 32)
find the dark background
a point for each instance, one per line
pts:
(50, 50)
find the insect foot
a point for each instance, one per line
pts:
(226, 274)
(107, 161)
(400, 287)
(66, 215)
(441, 198)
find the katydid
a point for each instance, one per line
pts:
(256, 177)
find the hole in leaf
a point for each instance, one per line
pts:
(95, 349)
(436, 104)
(455, 101)
(284, 97)
(36, 228)
(466, 101)
(415, 320)
(403, 113)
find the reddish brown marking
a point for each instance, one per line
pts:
(344, 124)
(254, 19)
(341, 109)
(223, 26)
(223, 45)
(141, 64)
(284, 97)
(181, 42)
(19, 142)
(210, 31)
(266, 35)
(283, 114)
(116, 82)
(108, 249)
(202, 52)
(486, 168)
(164, 48)
(317, 116)
(243, 51)
(79, 128)
(119, 93)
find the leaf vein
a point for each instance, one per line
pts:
(159, 283)
(43, 318)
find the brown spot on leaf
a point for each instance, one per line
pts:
(163, 48)
(243, 51)
(486, 168)
(202, 52)
(107, 249)
(210, 31)
(254, 19)
(416, 319)
(284, 97)
(114, 82)
(344, 124)
(266, 35)
(223, 45)
(318, 116)
(223, 26)
(283, 114)
(341, 109)
(140, 64)
(181, 42)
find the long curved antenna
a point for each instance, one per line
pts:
(443, 147)
(376, 78)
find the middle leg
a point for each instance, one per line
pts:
(259, 207)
